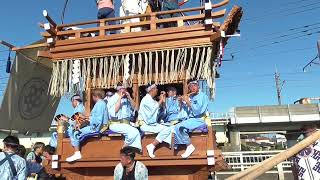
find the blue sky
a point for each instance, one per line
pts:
(280, 34)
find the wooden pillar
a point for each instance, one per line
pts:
(185, 84)
(135, 92)
(60, 130)
(102, 32)
(153, 25)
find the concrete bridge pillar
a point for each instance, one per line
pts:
(235, 140)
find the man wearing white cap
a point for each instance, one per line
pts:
(197, 103)
(148, 115)
(120, 108)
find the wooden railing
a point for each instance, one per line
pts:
(149, 21)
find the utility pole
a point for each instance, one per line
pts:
(279, 85)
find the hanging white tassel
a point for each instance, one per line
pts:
(146, 65)
(195, 66)
(133, 66)
(89, 76)
(116, 72)
(175, 70)
(162, 67)
(110, 71)
(105, 72)
(188, 73)
(126, 69)
(166, 78)
(94, 69)
(140, 69)
(172, 63)
(156, 75)
(183, 64)
(201, 69)
(150, 71)
(99, 83)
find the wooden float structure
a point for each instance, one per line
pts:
(164, 55)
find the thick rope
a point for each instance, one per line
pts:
(110, 72)
(140, 69)
(177, 60)
(188, 73)
(162, 67)
(132, 69)
(201, 69)
(196, 63)
(104, 71)
(156, 68)
(150, 72)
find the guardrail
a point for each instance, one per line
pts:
(239, 161)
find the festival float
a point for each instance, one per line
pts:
(84, 56)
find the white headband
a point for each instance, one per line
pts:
(76, 98)
(120, 87)
(148, 89)
(193, 82)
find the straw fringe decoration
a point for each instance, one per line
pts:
(162, 66)
(156, 68)
(139, 70)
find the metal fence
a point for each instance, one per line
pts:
(240, 161)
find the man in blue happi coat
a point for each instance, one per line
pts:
(197, 103)
(98, 117)
(175, 110)
(121, 109)
(148, 116)
(78, 107)
(12, 166)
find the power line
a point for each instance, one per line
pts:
(280, 12)
(284, 33)
(266, 75)
(278, 42)
(270, 52)
(288, 35)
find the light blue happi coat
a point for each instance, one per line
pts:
(174, 111)
(125, 112)
(148, 113)
(198, 109)
(54, 136)
(98, 116)
(20, 165)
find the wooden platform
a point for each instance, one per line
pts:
(101, 155)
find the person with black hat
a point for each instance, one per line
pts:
(197, 103)
(129, 168)
(148, 116)
(12, 166)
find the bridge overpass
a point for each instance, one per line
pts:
(289, 117)
(267, 119)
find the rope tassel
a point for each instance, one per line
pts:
(161, 66)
